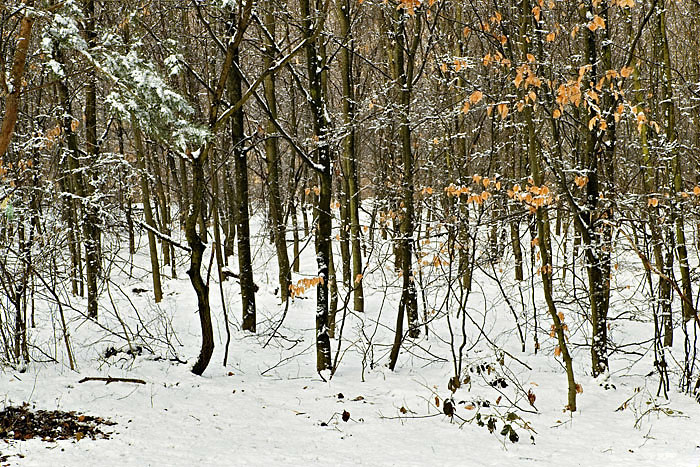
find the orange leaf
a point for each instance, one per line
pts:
(518, 79)
(599, 22)
(475, 97)
(574, 31)
(536, 12)
(591, 123)
(581, 181)
(626, 71)
(503, 110)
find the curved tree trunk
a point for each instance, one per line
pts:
(195, 270)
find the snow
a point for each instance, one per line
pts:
(269, 405)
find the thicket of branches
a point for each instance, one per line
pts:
(470, 135)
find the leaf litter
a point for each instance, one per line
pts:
(23, 423)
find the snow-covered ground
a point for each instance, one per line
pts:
(269, 406)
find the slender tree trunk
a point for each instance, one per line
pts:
(16, 76)
(333, 289)
(230, 191)
(543, 225)
(91, 224)
(147, 211)
(279, 231)
(677, 216)
(163, 207)
(545, 249)
(218, 247)
(321, 126)
(515, 244)
(403, 75)
(197, 252)
(349, 155)
(240, 157)
(76, 182)
(185, 188)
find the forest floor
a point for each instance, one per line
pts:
(268, 406)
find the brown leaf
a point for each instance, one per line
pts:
(531, 397)
(346, 415)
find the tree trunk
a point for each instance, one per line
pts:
(197, 251)
(16, 76)
(147, 211)
(90, 226)
(240, 158)
(349, 155)
(321, 127)
(676, 170)
(279, 231)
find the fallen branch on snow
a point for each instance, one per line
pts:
(108, 380)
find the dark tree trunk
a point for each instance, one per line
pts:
(245, 266)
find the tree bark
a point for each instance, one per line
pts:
(349, 157)
(147, 210)
(245, 266)
(279, 230)
(16, 76)
(321, 127)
